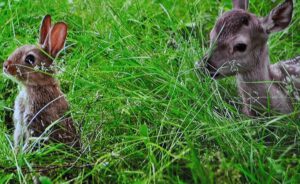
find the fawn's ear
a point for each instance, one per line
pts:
(240, 4)
(45, 29)
(56, 39)
(279, 18)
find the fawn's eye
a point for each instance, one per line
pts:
(240, 47)
(30, 59)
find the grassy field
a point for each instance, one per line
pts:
(145, 116)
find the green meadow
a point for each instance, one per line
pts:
(144, 114)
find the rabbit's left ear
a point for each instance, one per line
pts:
(56, 39)
(45, 29)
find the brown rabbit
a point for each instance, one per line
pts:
(40, 108)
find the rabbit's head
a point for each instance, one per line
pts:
(33, 65)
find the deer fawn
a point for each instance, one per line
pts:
(239, 47)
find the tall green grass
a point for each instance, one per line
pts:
(145, 116)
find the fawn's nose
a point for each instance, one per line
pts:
(207, 64)
(205, 59)
(202, 63)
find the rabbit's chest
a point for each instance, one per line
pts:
(19, 116)
(28, 116)
(20, 108)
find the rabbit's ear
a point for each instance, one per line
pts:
(45, 29)
(55, 41)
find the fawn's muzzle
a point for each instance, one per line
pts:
(209, 67)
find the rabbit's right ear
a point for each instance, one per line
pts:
(45, 29)
(55, 41)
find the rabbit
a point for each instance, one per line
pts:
(40, 107)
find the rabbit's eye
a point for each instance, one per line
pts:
(30, 59)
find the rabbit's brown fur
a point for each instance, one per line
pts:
(41, 103)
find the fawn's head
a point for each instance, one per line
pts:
(239, 38)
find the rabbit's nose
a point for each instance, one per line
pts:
(6, 64)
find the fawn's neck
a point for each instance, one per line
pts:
(256, 87)
(257, 79)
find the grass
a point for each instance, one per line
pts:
(145, 115)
